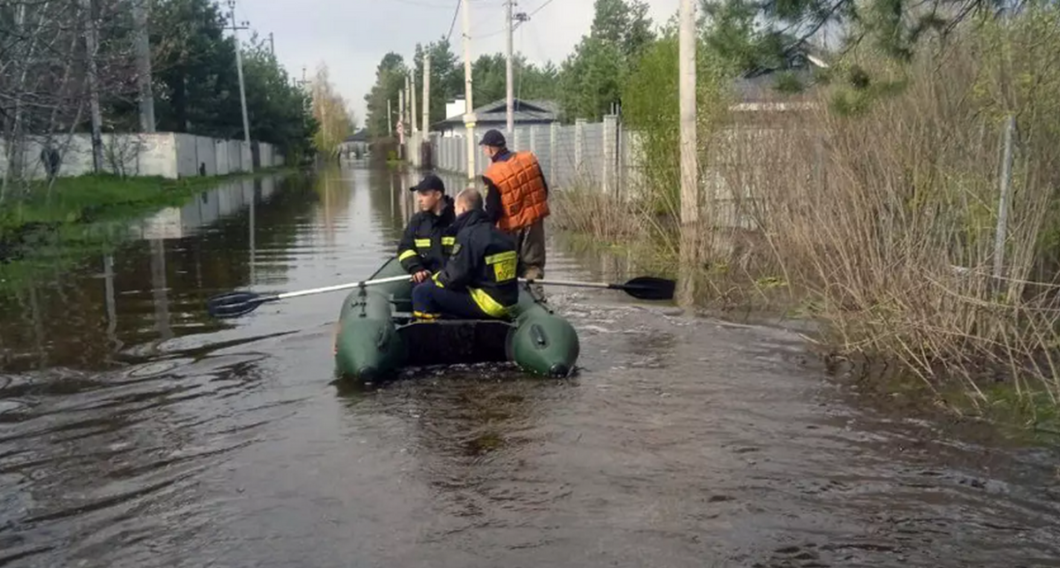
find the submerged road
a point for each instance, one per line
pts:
(135, 431)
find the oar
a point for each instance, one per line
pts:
(235, 304)
(642, 287)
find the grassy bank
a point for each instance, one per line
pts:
(46, 229)
(92, 197)
(875, 215)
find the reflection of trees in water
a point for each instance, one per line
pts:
(391, 201)
(149, 290)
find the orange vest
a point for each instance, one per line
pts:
(522, 189)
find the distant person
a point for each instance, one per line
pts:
(51, 159)
(478, 281)
(426, 244)
(517, 201)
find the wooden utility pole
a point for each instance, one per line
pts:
(687, 107)
(143, 67)
(469, 116)
(91, 48)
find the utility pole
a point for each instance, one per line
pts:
(401, 121)
(143, 67)
(508, 68)
(239, 69)
(510, 23)
(687, 107)
(389, 114)
(272, 45)
(469, 116)
(426, 93)
(410, 104)
(91, 47)
(411, 93)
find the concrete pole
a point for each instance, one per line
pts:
(412, 107)
(426, 92)
(687, 106)
(508, 71)
(469, 116)
(143, 67)
(242, 87)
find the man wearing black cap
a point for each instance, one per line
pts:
(517, 201)
(479, 280)
(426, 243)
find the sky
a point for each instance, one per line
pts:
(351, 36)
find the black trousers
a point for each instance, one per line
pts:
(431, 302)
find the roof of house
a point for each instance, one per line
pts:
(497, 112)
(359, 136)
(759, 84)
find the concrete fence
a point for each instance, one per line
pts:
(166, 154)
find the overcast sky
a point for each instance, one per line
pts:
(351, 36)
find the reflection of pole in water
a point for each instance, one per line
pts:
(253, 200)
(329, 229)
(158, 288)
(112, 310)
(38, 326)
(393, 197)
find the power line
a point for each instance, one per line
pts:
(456, 13)
(541, 7)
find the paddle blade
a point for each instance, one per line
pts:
(649, 288)
(235, 304)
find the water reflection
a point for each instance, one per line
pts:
(153, 283)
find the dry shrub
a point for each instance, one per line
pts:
(884, 203)
(588, 210)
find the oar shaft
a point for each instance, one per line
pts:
(569, 283)
(341, 287)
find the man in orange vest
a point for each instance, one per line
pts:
(517, 201)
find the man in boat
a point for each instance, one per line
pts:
(517, 201)
(426, 245)
(479, 279)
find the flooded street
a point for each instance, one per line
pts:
(136, 431)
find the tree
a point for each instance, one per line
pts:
(591, 77)
(760, 32)
(389, 80)
(193, 64)
(331, 112)
(276, 106)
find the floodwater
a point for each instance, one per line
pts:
(136, 431)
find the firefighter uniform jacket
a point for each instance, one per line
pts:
(425, 244)
(483, 262)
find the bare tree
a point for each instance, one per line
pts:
(54, 56)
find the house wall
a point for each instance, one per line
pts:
(165, 154)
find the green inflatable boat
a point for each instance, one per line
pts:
(377, 335)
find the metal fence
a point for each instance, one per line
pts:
(582, 154)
